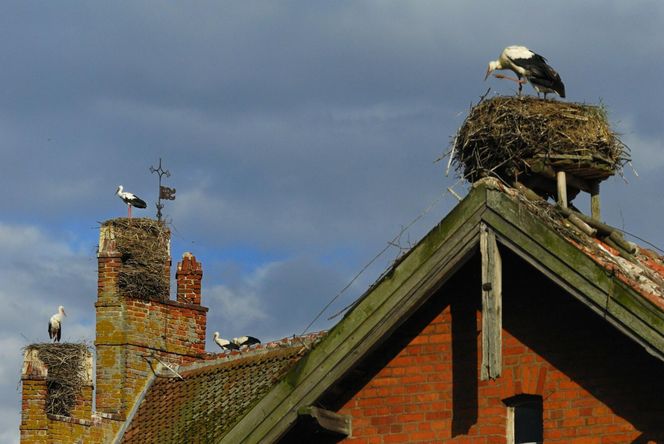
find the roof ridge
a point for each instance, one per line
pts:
(212, 359)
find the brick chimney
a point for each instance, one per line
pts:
(189, 277)
(134, 327)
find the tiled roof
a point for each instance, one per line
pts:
(213, 393)
(642, 269)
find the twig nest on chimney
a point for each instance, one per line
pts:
(144, 244)
(508, 137)
(67, 373)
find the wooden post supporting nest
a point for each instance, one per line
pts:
(492, 324)
(594, 201)
(562, 188)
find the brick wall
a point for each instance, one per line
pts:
(423, 385)
(34, 425)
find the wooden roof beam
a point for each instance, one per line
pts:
(328, 420)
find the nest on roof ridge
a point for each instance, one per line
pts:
(144, 245)
(507, 137)
(67, 374)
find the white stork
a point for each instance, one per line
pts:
(55, 324)
(130, 199)
(533, 67)
(225, 344)
(245, 340)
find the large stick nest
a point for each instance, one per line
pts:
(143, 243)
(67, 374)
(508, 136)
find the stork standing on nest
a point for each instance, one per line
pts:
(55, 324)
(525, 63)
(225, 344)
(130, 199)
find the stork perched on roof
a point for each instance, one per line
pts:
(245, 340)
(225, 344)
(55, 324)
(533, 67)
(130, 199)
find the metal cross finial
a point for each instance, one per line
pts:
(164, 192)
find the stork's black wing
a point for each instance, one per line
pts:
(251, 341)
(138, 202)
(539, 73)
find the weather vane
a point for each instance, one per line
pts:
(164, 192)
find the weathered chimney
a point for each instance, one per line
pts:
(136, 322)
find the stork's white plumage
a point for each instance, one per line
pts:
(525, 63)
(225, 344)
(55, 324)
(130, 199)
(245, 340)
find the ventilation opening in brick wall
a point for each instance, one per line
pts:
(524, 419)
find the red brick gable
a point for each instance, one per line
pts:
(597, 386)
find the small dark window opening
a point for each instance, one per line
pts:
(525, 424)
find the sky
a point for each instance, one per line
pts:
(301, 136)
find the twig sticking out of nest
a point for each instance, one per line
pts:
(67, 374)
(506, 136)
(144, 246)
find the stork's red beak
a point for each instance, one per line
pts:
(488, 71)
(63, 312)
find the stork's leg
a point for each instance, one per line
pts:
(129, 211)
(519, 80)
(503, 76)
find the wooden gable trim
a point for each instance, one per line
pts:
(578, 274)
(492, 305)
(379, 312)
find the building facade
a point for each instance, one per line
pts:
(505, 324)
